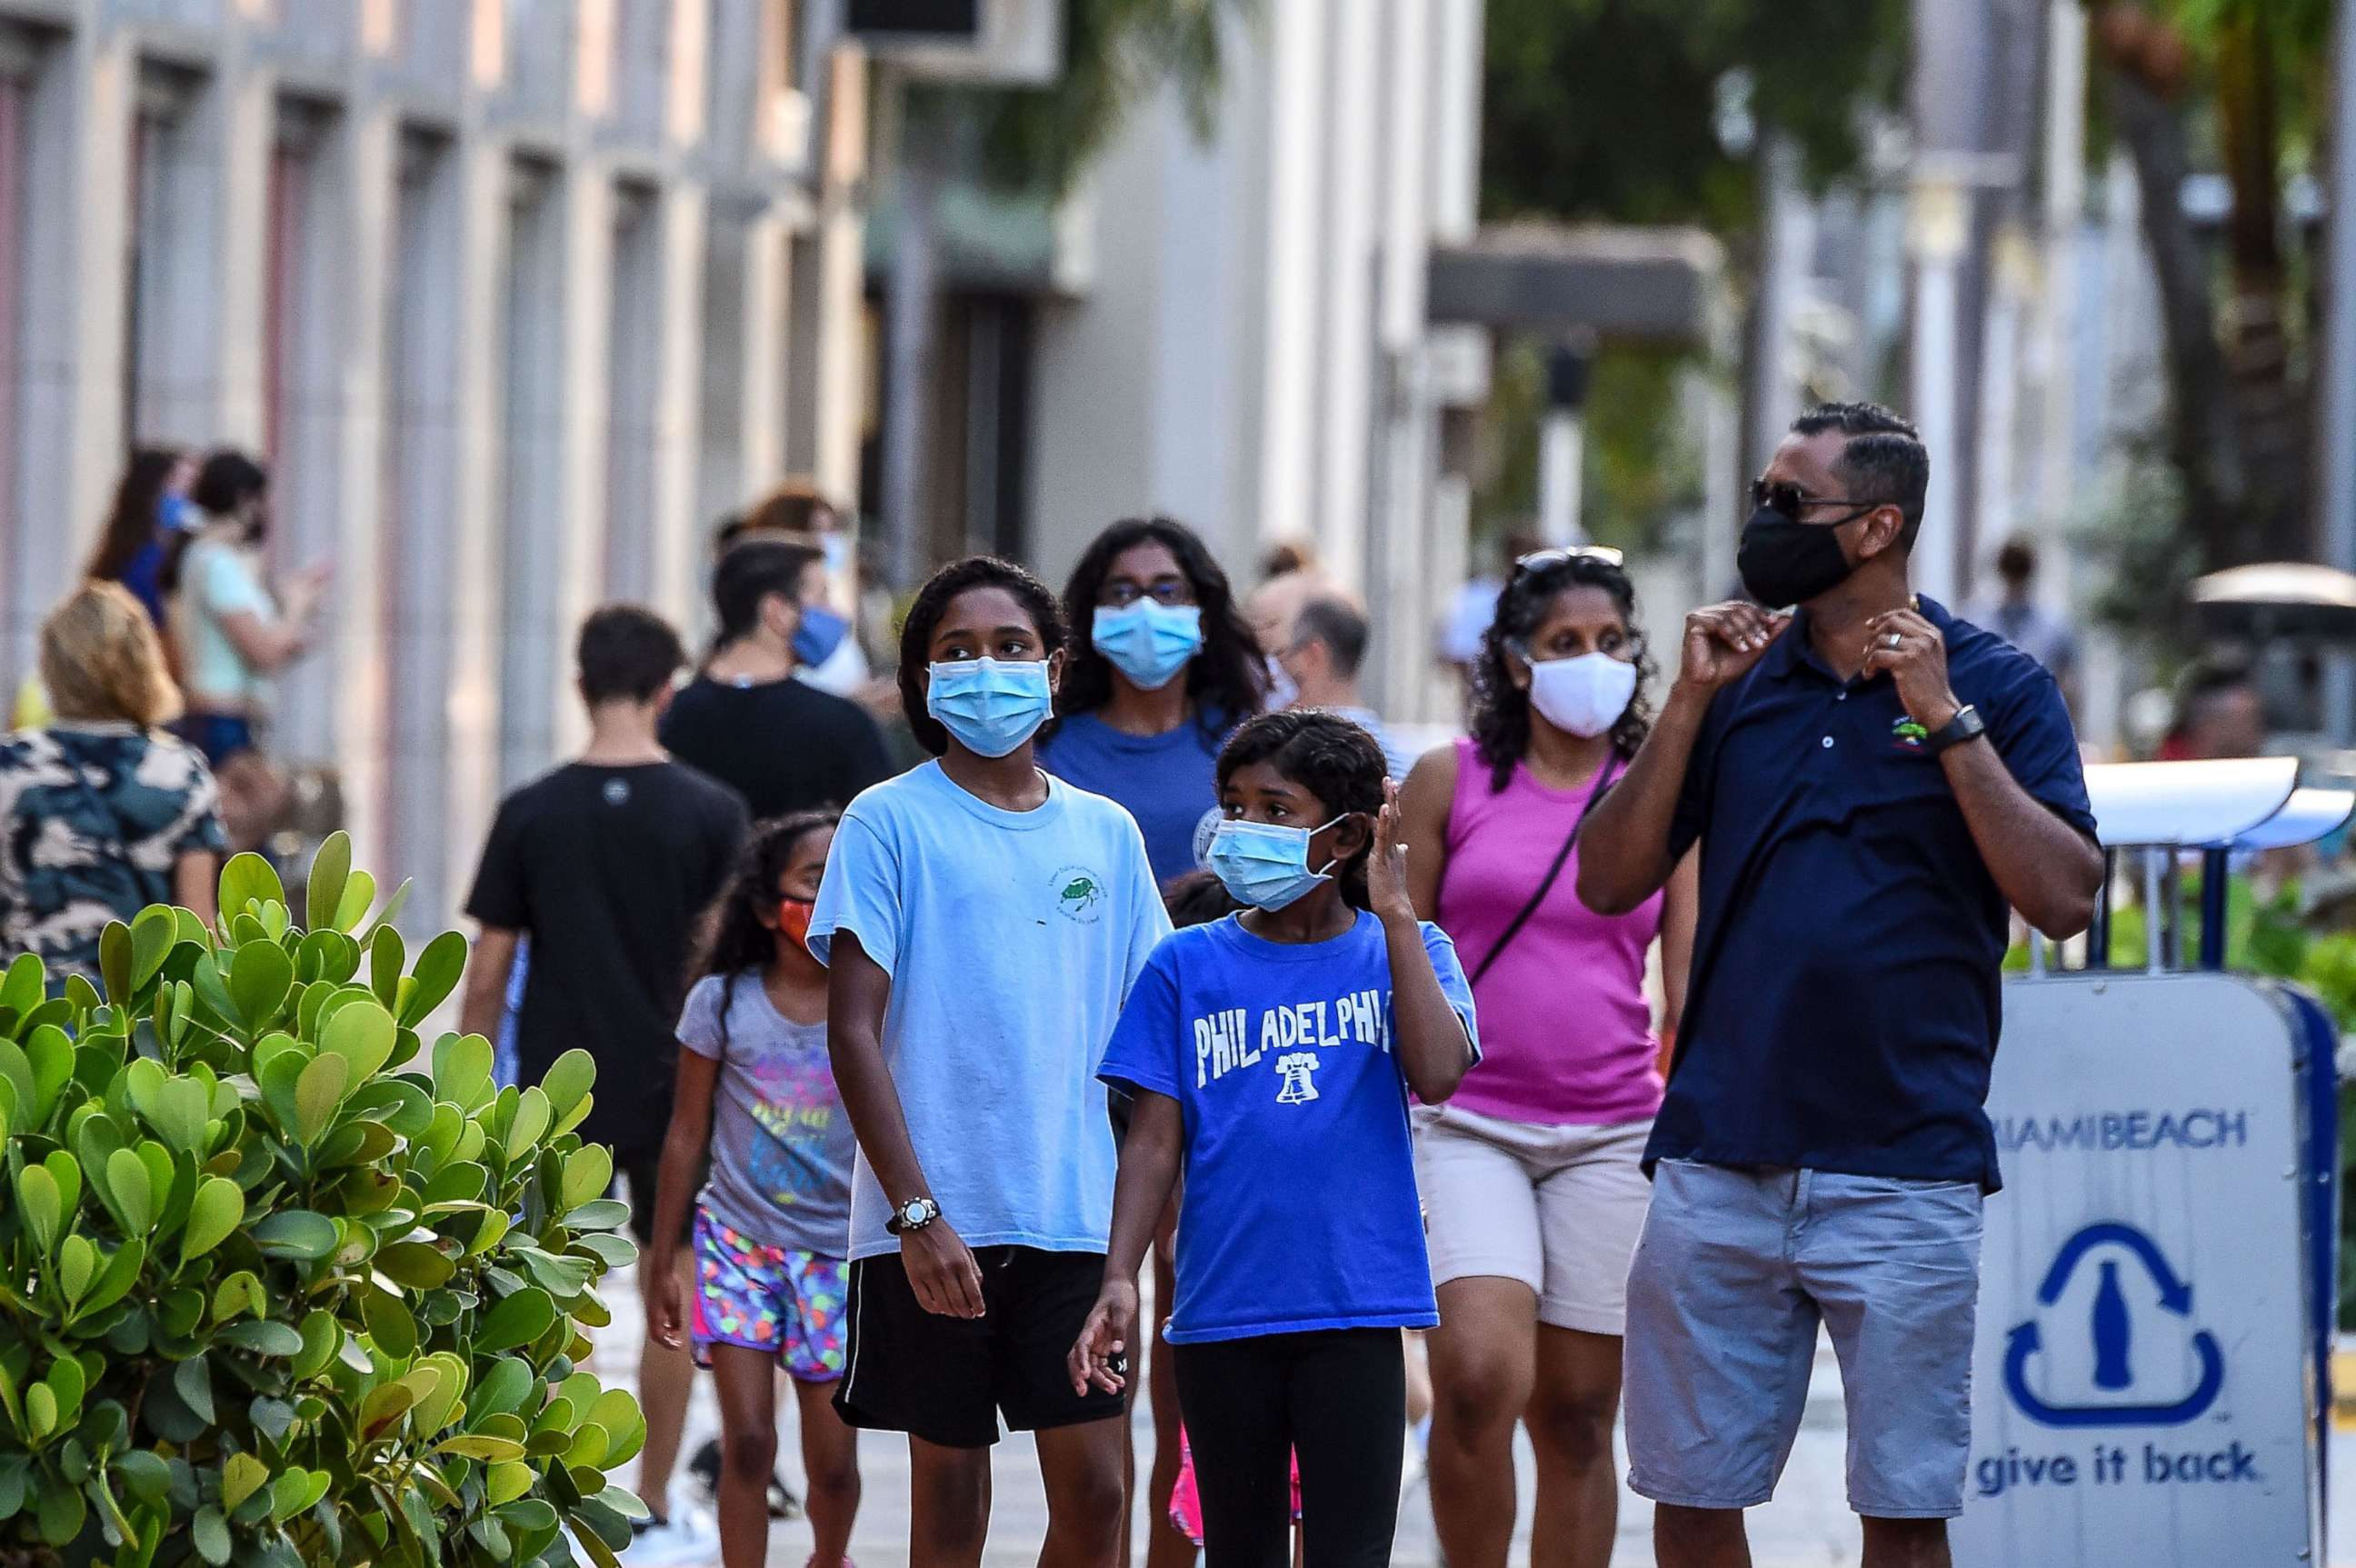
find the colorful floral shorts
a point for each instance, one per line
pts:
(768, 1298)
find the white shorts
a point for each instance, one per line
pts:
(1557, 1208)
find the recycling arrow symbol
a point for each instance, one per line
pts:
(2025, 1341)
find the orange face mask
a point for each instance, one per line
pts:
(794, 920)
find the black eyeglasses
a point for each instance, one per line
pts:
(1788, 500)
(1562, 555)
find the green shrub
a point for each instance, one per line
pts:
(266, 1298)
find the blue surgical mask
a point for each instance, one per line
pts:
(1263, 863)
(1149, 641)
(820, 633)
(178, 514)
(835, 549)
(990, 706)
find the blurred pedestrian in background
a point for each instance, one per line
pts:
(1458, 641)
(608, 865)
(151, 509)
(102, 812)
(982, 923)
(1873, 784)
(2219, 713)
(756, 1103)
(2017, 617)
(1290, 575)
(798, 513)
(1532, 1179)
(1320, 654)
(1161, 669)
(746, 719)
(234, 635)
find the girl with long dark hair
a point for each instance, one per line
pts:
(1162, 668)
(150, 507)
(756, 1094)
(1531, 1176)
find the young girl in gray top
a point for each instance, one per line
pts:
(773, 1220)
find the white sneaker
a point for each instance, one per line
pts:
(688, 1537)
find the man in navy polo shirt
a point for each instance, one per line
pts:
(1873, 783)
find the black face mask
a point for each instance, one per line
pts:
(1784, 562)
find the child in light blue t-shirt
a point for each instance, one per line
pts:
(982, 924)
(1271, 1055)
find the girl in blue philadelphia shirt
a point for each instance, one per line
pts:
(1271, 1054)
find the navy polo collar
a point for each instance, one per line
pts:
(1793, 649)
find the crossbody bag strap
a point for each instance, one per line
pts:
(1554, 873)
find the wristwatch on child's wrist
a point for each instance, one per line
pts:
(913, 1215)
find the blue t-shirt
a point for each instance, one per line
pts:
(1299, 1210)
(1843, 1010)
(1011, 939)
(1167, 781)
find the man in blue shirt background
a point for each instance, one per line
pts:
(1872, 784)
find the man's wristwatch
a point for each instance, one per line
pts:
(1965, 726)
(913, 1215)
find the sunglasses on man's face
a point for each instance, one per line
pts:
(1788, 500)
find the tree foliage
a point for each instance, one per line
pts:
(270, 1297)
(1648, 111)
(1116, 53)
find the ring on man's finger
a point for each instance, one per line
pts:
(1893, 641)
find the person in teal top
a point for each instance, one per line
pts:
(1162, 668)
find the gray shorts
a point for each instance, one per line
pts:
(1733, 1273)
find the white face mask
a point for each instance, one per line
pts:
(1585, 696)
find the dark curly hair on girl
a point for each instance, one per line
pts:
(932, 602)
(1500, 710)
(1228, 680)
(740, 940)
(1325, 754)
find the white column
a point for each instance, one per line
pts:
(1353, 138)
(1938, 225)
(69, 434)
(577, 529)
(1297, 32)
(675, 538)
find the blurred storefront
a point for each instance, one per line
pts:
(515, 296)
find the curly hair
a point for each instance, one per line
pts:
(1226, 681)
(740, 940)
(932, 602)
(1325, 754)
(1500, 710)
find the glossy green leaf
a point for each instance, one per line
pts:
(128, 1186)
(386, 957)
(114, 1282)
(260, 975)
(213, 1216)
(568, 1078)
(145, 1475)
(297, 1233)
(262, 1337)
(389, 1324)
(154, 933)
(115, 963)
(49, 1056)
(247, 882)
(39, 1200)
(77, 1267)
(462, 1069)
(436, 974)
(322, 1337)
(416, 1265)
(519, 1320)
(363, 1033)
(193, 1381)
(209, 1531)
(532, 1115)
(588, 1173)
(319, 1092)
(242, 1477)
(22, 984)
(473, 1445)
(360, 892)
(60, 1513)
(325, 892)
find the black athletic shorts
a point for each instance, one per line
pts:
(948, 1380)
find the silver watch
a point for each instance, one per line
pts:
(913, 1215)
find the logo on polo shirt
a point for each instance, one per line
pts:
(1906, 735)
(1078, 893)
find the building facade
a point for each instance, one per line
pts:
(514, 296)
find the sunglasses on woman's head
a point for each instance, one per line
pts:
(1540, 560)
(1788, 500)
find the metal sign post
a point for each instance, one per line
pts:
(2157, 1276)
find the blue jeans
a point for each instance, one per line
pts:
(1734, 1271)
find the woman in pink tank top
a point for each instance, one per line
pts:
(1532, 1187)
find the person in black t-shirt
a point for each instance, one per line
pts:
(747, 720)
(608, 864)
